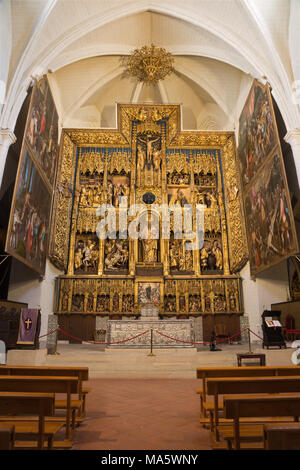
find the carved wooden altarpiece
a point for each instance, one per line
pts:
(151, 161)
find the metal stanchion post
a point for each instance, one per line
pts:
(151, 343)
(249, 342)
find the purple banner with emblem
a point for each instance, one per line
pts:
(28, 325)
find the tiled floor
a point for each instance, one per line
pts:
(142, 414)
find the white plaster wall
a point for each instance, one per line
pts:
(26, 286)
(6, 45)
(270, 287)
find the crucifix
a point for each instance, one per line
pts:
(28, 323)
(149, 143)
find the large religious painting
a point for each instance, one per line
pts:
(149, 292)
(28, 233)
(42, 129)
(269, 217)
(27, 237)
(257, 131)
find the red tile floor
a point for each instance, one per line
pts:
(142, 414)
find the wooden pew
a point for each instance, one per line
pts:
(65, 385)
(205, 373)
(40, 405)
(241, 385)
(282, 436)
(81, 372)
(7, 437)
(255, 406)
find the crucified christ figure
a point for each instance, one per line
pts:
(149, 143)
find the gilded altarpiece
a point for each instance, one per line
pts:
(153, 164)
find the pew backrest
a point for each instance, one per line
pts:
(81, 372)
(239, 385)
(263, 371)
(261, 406)
(21, 403)
(24, 383)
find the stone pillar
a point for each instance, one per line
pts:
(198, 330)
(244, 323)
(7, 138)
(51, 339)
(293, 138)
(102, 324)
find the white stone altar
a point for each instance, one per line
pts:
(119, 330)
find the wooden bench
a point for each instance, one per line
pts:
(7, 437)
(81, 372)
(241, 385)
(40, 405)
(258, 406)
(65, 385)
(282, 436)
(205, 373)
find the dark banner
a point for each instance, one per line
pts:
(28, 326)
(269, 218)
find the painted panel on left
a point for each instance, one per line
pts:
(27, 237)
(41, 133)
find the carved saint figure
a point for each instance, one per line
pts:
(217, 252)
(156, 159)
(203, 258)
(116, 254)
(150, 250)
(179, 198)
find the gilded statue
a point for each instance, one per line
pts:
(149, 250)
(176, 257)
(203, 258)
(217, 252)
(116, 254)
(156, 159)
(179, 198)
(188, 260)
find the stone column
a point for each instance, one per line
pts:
(51, 340)
(7, 138)
(293, 138)
(198, 329)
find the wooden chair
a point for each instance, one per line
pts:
(256, 406)
(289, 324)
(39, 405)
(282, 436)
(221, 331)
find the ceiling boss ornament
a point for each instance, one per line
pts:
(149, 64)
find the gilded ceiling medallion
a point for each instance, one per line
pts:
(149, 64)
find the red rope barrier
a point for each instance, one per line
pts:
(255, 334)
(201, 342)
(48, 334)
(94, 342)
